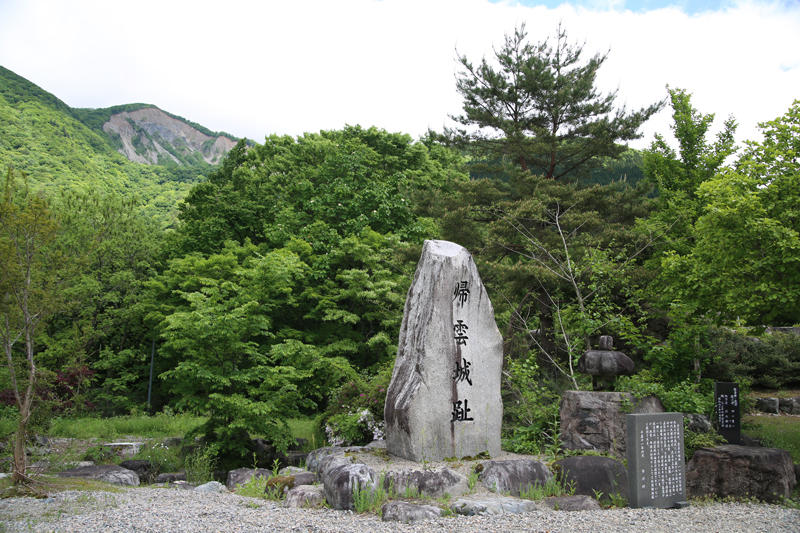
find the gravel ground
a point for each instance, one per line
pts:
(174, 510)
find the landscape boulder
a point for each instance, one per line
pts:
(107, 473)
(429, 483)
(305, 496)
(790, 406)
(572, 503)
(742, 472)
(339, 481)
(144, 469)
(768, 405)
(397, 511)
(513, 476)
(593, 420)
(592, 474)
(241, 476)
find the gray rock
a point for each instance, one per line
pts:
(768, 405)
(396, 511)
(332, 461)
(339, 481)
(304, 478)
(380, 444)
(596, 420)
(211, 486)
(289, 470)
(572, 503)
(432, 483)
(108, 473)
(241, 476)
(697, 422)
(591, 474)
(444, 396)
(513, 476)
(315, 457)
(305, 496)
(790, 406)
(144, 469)
(492, 506)
(741, 471)
(171, 477)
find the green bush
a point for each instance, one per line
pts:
(351, 429)
(355, 411)
(683, 397)
(200, 464)
(694, 441)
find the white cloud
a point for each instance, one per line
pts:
(256, 68)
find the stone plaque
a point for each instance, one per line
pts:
(726, 409)
(656, 467)
(444, 397)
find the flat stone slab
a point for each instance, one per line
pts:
(493, 506)
(107, 473)
(397, 511)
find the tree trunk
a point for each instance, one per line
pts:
(20, 461)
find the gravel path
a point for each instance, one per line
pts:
(174, 510)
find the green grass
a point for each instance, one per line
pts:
(160, 425)
(776, 432)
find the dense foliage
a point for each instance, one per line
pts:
(276, 288)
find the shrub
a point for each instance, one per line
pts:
(683, 397)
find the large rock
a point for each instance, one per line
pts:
(596, 420)
(171, 477)
(790, 406)
(513, 476)
(431, 483)
(444, 396)
(108, 473)
(741, 471)
(592, 474)
(241, 476)
(396, 511)
(144, 469)
(340, 480)
(768, 405)
(305, 496)
(315, 457)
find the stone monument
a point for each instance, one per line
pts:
(444, 396)
(726, 408)
(656, 468)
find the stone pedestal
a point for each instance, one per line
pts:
(596, 420)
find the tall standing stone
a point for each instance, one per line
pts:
(444, 397)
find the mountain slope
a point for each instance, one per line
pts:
(41, 136)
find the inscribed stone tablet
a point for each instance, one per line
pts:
(656, 467)
(726, 407)
(444, 397)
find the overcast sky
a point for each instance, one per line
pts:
(257, 68)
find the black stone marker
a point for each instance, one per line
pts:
(656, 466)
(726, 410)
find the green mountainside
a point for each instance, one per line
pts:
(63, 148)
